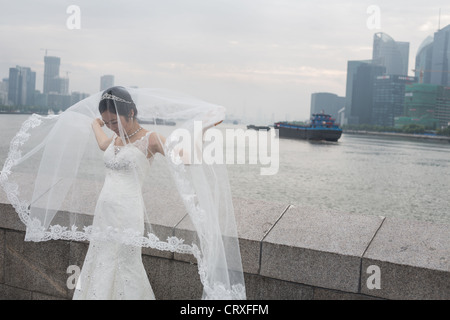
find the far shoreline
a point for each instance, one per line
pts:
(417, 136)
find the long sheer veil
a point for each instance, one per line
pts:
(55, 171)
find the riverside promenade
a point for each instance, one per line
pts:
(288, 253)
(424, 137)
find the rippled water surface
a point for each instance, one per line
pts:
(359, 174)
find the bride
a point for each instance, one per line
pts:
(115, 270)
(137, 167)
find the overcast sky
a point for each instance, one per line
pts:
(252, 56)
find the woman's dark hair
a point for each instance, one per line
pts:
(118, 101)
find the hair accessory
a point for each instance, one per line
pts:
(113, 97)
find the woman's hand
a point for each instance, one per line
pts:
(102, 139)
(211, 126)
(99, 122)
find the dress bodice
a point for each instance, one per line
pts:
(129, 159)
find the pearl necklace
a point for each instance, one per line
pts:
(129, 136)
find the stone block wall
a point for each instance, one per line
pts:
(288, 253)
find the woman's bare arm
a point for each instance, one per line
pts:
(156, 143)
(102, 139)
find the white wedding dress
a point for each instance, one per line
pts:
(113, 270)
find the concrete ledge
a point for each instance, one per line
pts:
(254, 220)
(287, 253)
(411, 255)
(318, 248)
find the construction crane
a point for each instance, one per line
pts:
(423, 71)
(46, 50)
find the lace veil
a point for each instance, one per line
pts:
(55, 173)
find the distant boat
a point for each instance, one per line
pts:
(252, 126)
(157, 121)
(322, 127)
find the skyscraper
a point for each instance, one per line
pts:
(4, 92)
(420, 105)
(62, 85)
(352, 67)
(106, 81)
(440, 73)
(326, 102)
(51, 74)
(391, 54)
(362, 92)
(443, 107)
(433, 58)
(22, 86)
(389, 98)
(423, 60)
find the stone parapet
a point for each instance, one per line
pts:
(289, 253)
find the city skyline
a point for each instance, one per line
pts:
(252, 58)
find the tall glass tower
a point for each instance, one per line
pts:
(433, 57)
(391, 54)
(352, 68)
(389, 98)
(362, 92)
(22, 84)
(440, 73)
(51, 74)
(423, 60)
(106, 81)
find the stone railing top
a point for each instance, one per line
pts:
(324, 248)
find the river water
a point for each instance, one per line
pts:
(371, 175)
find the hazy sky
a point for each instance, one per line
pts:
(252, 56)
